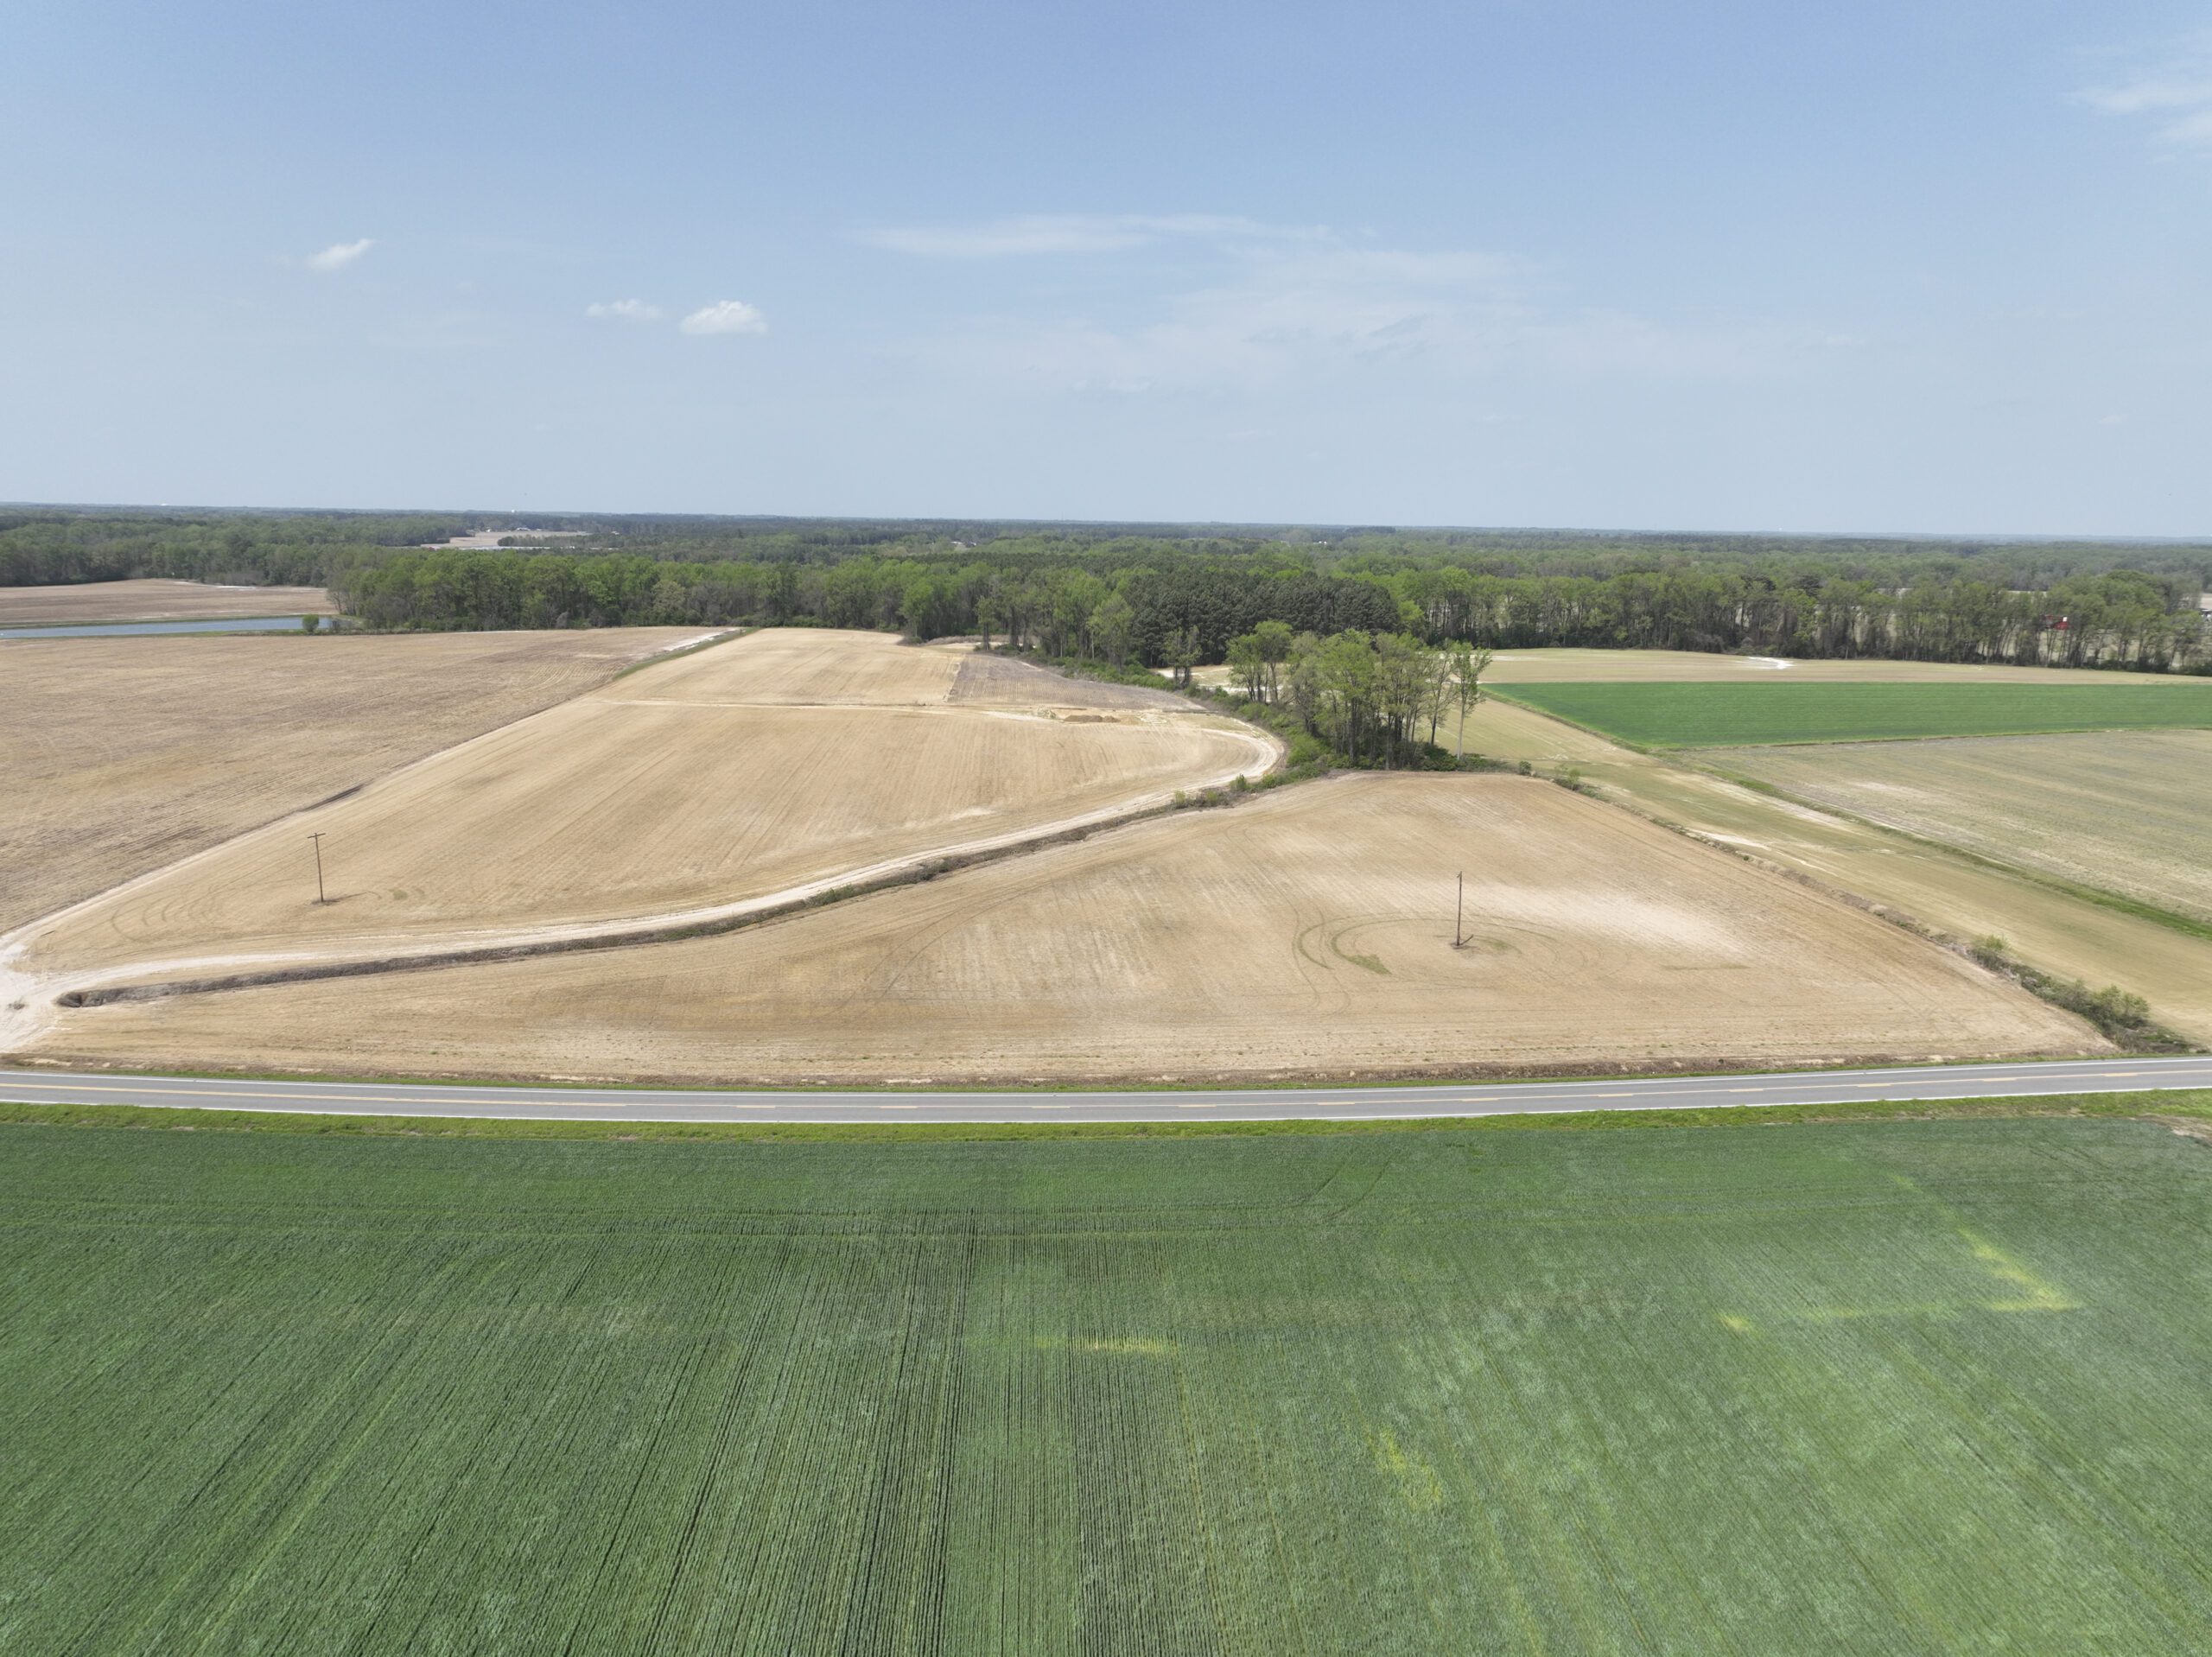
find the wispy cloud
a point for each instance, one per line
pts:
(2176, 91)
(1028, 234)
(338, 255)
(725, 316)
(1285, 314)
(625, 310)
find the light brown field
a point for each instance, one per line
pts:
(2069, 936)
(1559, 666)
(1574, 666)
(123, 755)
(1308, 930)
(152, 600)
(2127, 811)
(742, 771)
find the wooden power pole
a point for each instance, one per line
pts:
(1458, 913)
(319, 897)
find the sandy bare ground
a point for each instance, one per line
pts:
(491, 540)
(705, 788)
(152, 600)
(1304, 932)
(1608, 667)
(1574, 666)
(2124, 811)
(2065, 936)
(125, 755)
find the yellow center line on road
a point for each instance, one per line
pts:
(883, 1105)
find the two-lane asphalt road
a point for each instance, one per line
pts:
(1196, 1105)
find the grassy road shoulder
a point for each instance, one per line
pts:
(2179, 1104)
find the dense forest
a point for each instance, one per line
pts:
(1155, 596)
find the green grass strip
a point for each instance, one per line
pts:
(1701, 716)
(2180, 1101)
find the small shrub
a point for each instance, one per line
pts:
(2113, 1005)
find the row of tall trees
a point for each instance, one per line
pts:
(1140, 616)
(2121, 618)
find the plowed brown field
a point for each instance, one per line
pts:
(1561, 666)
(121, 755)
(746, 769)
(151, 600)
(1307, 932)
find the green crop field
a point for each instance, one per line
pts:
(1902, 1387)
(1684, 715)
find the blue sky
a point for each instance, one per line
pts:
(1941, 266)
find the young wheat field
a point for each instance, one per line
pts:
(1879, 1387)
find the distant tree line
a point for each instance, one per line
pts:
(1165, 596)
(1178, 611)
(55, 549)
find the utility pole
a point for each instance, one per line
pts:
(1458, 913)
(319, 897)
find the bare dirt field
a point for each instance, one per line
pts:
(2124, 811)
(149, 600)
(1598, 667)
(1305, 931)
(121, 755)
(1002, 680)
(732, 775)
(1559, 666)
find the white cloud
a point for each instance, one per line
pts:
(625, 310)
(2194, 129)
(338, 255)
(1026, 234)
(2177, 91)
(725, 316)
